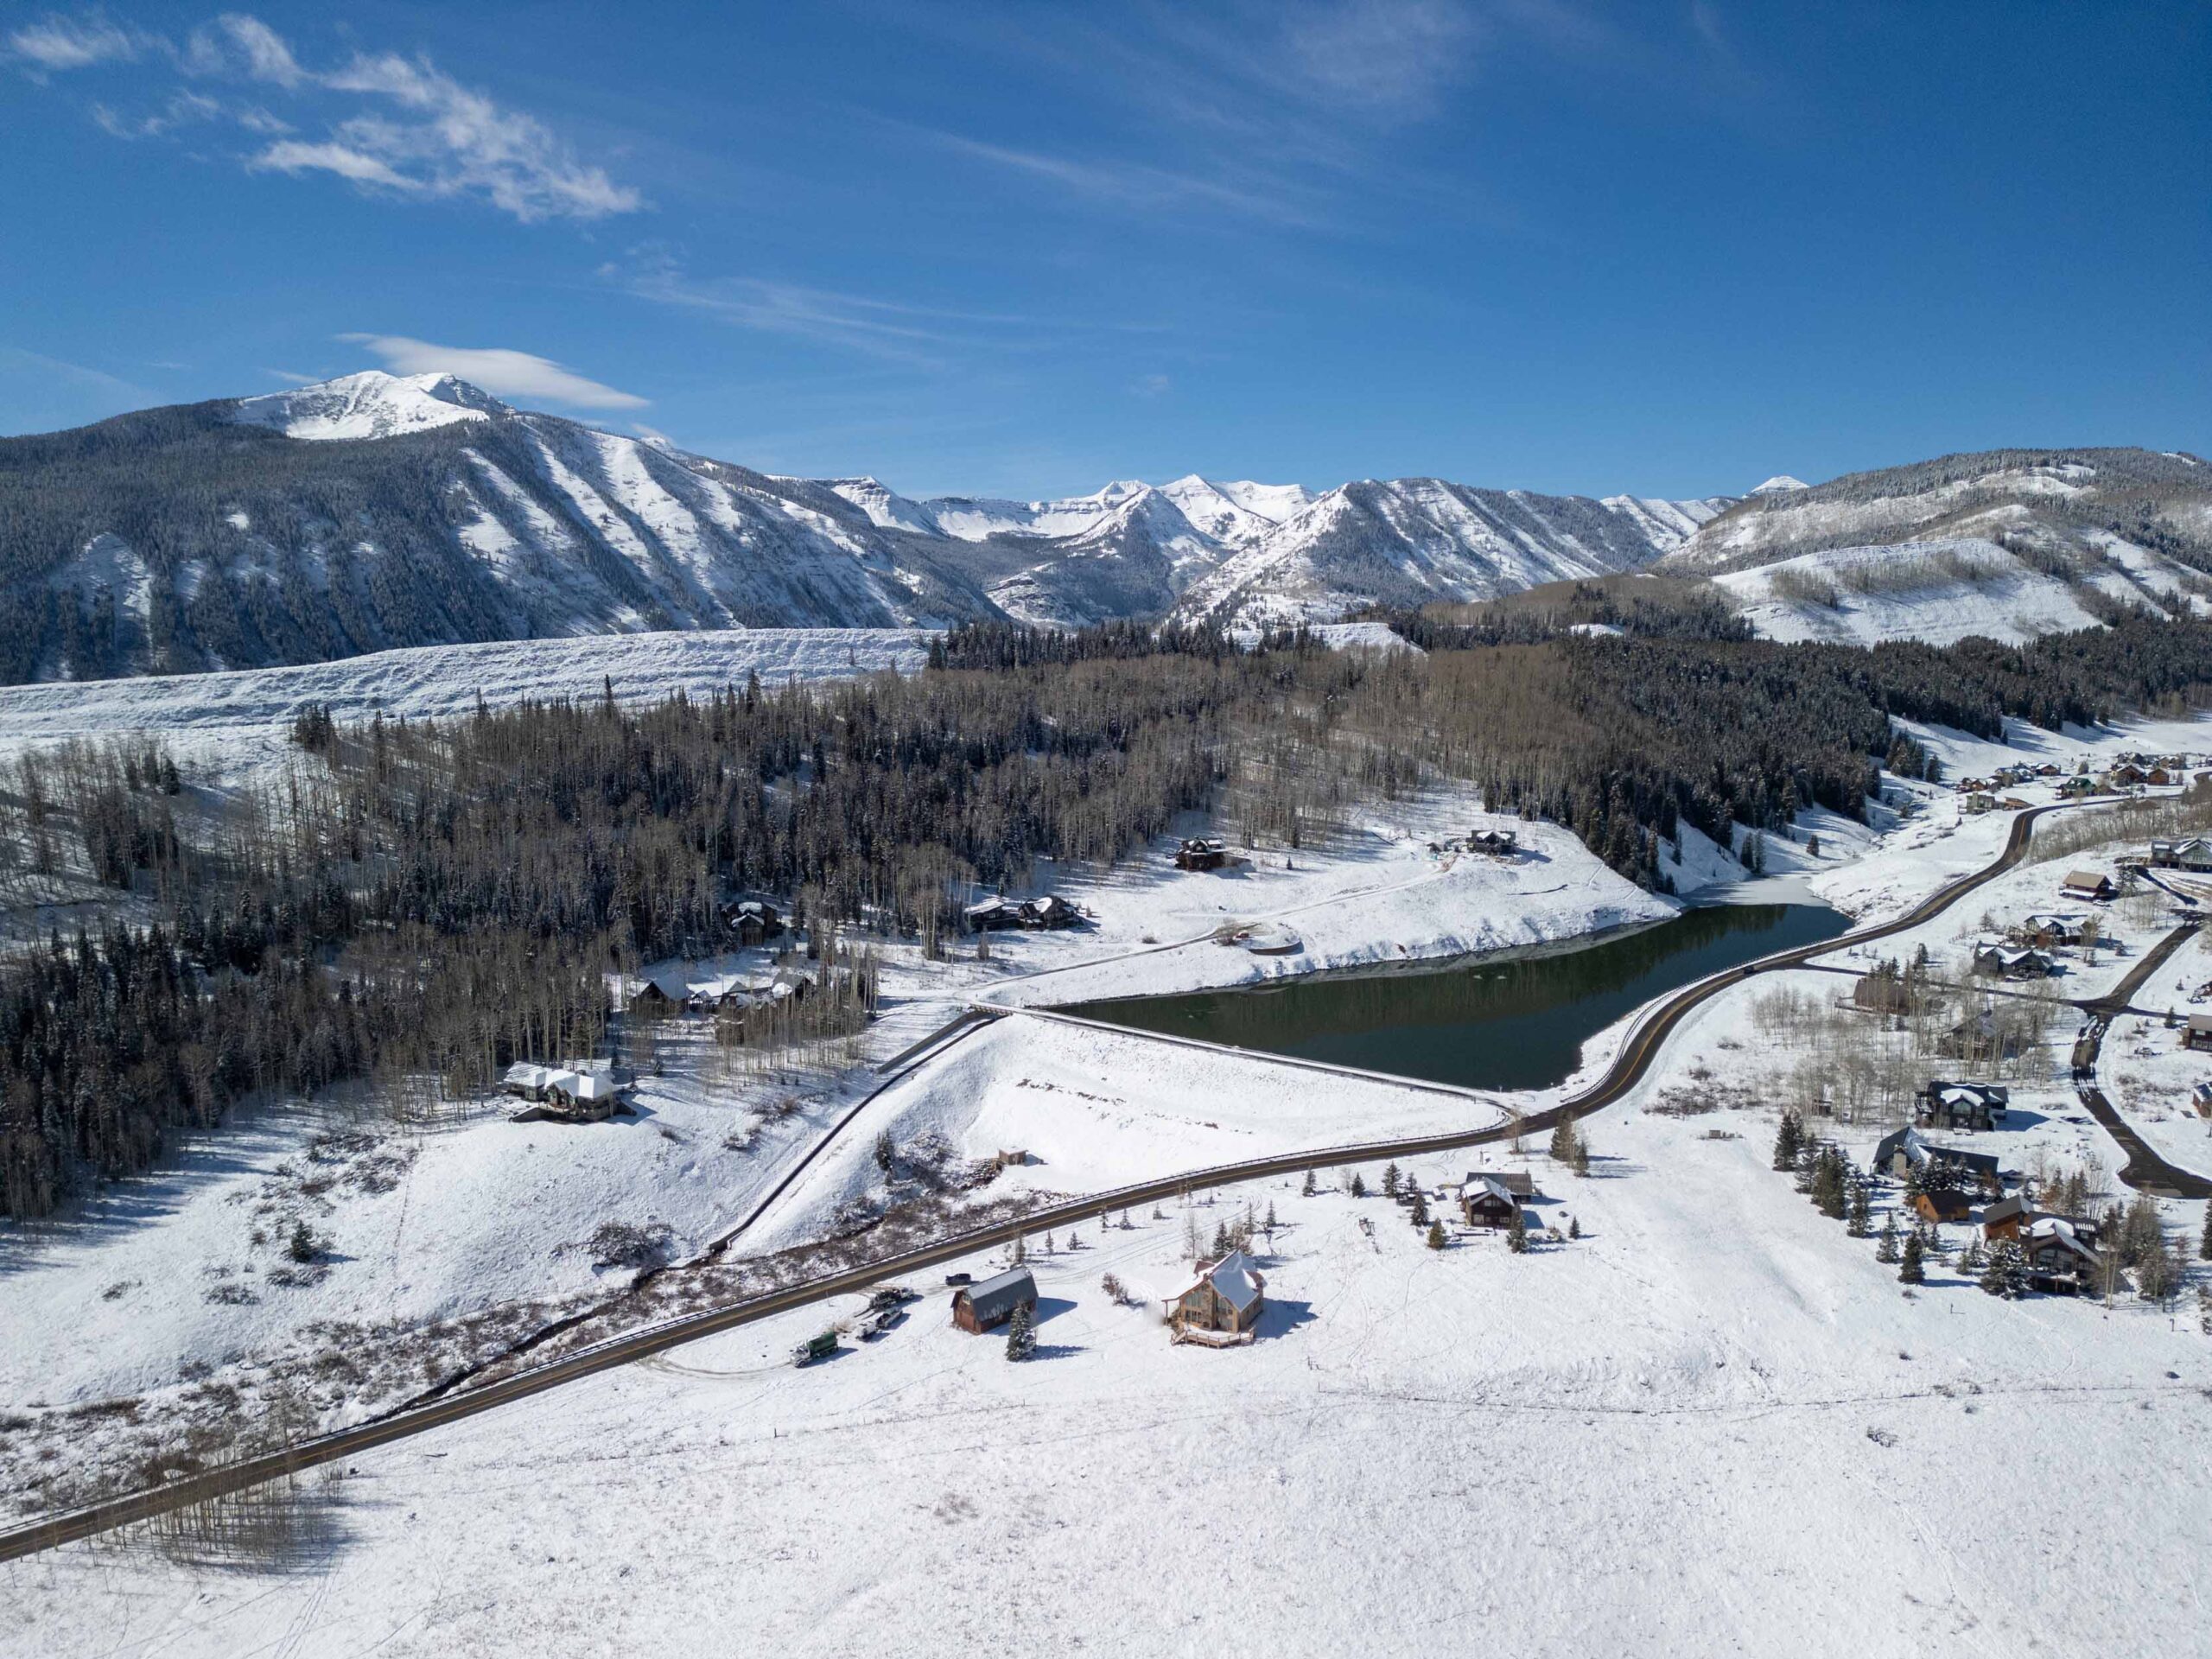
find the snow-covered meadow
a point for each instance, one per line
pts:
(1678, 1433)
(1610, 1437)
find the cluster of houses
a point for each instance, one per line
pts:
(2063, 1252)
(1049, 913)
(582, 1092)
(676, 989)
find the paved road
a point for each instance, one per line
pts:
(1628, 1069)
(2144, 1171)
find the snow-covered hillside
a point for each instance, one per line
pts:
(2008, 543)
(1410, 541)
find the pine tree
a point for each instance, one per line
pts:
(1516, 1235)
(1886, 1251)
(1862, 1213)
(1786, 1140)
(1048, 1243)
(1020, 1334)
(1268, 1225)
(1561, 1149)
(1573, 1228)
(1581, 1158)
(1389, 1180)
(1222, 1242)
(2003, 1274)
(1358, 1187)
(2204, 1239)
(1306, 1191)
(1020, 1249)
(1435, 1235)
(1909, 1270)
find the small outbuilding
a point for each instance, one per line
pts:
(976, 1308)
(2197, 1033)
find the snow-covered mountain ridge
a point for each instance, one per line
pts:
(2005, 543)
(375, 512)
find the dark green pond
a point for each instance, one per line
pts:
(1514, 1024)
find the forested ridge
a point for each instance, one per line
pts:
(418, 904)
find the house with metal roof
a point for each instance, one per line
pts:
(976, 1308)
(1487, 1199)
(1226, 1298)
(2092, 884)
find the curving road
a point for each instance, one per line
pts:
(2144, 1171)
(1629, 1067)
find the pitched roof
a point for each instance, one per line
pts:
(1479, 1185)
(999, 1295)
(2089, 880)
(1235, 1278)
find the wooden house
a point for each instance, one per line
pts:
(2090, 885)
(755, 921)
(976, 1308)
(2058, 1258)
(1202, 853)
(1487, 1199)
(1961, 1106)
(2005, 962)
(2050, 931)
(2192, 853)
(1944, 1204)
(986, 914)
(2077, 785)
(2198, 1031)
(1051, 911)
(1885, 990)
(1227, 1298)
(2158, 777)
(1981, 1038)
(1498, 843)
(2126, 775)
(583, 1091)
(1977, 802)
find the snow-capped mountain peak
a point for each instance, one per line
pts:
(371, 404)
(1780, 484)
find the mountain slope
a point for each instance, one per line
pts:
(2008, 543)
(1410, 541)
(375, 512)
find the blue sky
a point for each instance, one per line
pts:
(1025, 249)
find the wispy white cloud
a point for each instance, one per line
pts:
(236, 43)
(412, 130)
(1135, 184)
(502, 373)
(55, 44)
(290, 378)
(1151, 385)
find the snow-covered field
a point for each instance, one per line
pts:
(1712, 1424)
(1421, 1440)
